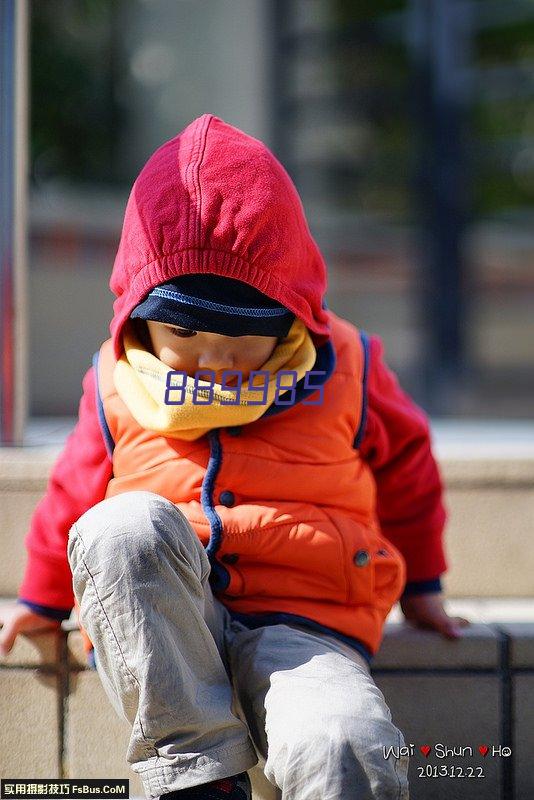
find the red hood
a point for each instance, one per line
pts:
(214, 199)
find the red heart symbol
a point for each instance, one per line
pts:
(483, 749)
(425, 749)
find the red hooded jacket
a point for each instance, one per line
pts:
(216, 200)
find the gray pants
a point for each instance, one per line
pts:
(204, 695)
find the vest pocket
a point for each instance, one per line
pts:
(376, 567)
(359, 543)
(292, 560)
(389, 574)
(330, 560)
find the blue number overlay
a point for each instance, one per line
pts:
(280, 389)
(291, 389)
(236, 389)
(198, 376)
(264, 388)
(170, 387)
(307, 385)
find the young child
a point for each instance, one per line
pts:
(245, 496)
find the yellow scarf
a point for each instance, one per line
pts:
(141, 382)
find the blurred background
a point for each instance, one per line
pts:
(408, 128)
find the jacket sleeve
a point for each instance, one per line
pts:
(396, 443)
(78, 481)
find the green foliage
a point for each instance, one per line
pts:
(75, 117)
(499, 127)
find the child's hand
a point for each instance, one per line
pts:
(427, 611)
(17, 618)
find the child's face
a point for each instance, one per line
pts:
(191, 351)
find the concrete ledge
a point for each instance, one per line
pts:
(457, 710)
(32, 464)
(488, 473)
(463, 693)
(521, 646)
(30, 714)
(407, 647)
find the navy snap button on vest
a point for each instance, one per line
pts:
(227, 498)
(382, 552)
(234, 430)
(230, 558)
(362, 558)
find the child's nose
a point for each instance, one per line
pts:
(216, 361)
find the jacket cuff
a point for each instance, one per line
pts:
(46, 611)
(422, 587)
(47, 582)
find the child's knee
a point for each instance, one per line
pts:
(123, 521)
(130, 525)
(340, 755)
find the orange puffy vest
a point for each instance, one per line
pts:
(291, 522)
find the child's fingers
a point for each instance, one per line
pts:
(15, 620)
(462, 621)
(452, 626)
(8, 634)
(448, 626)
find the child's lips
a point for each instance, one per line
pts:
(229, 381)
(232, 377)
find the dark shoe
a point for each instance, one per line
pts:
(235, 788)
